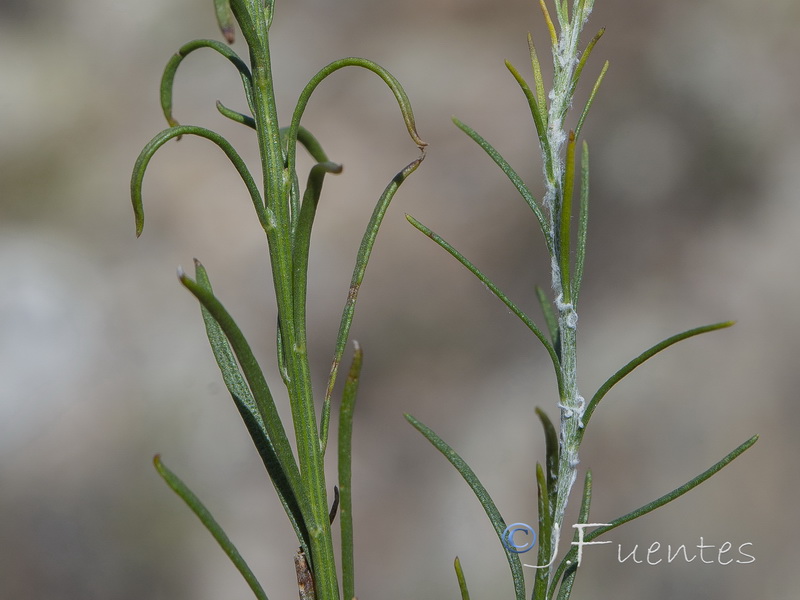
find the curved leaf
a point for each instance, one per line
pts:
(302, 102)
(168, 79)
(173, 132)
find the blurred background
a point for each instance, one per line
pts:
(103, 357)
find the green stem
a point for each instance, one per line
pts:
(277, 184)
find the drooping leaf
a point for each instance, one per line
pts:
(173, 132)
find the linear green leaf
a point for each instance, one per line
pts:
(583, 226)
(649, 353)
(586, 108)
(536, 113)
(236, 116)
(257, 384)
(246, 404)
(302, 244)
(549, 316)
(462, 581)
(568, 579)
(541, 96)
(173, 132)
(676, 493)
(512, 176)
(202, 513)
(551, 454)
(397, 90)
(345, 471)
(496, 291)
(571, 556)
(565, 231)
(225, 19)
(584, 57)
(308, 141)
(483, 497)
(549, 21)
(362, 258)
(544, 487)
(168, 79)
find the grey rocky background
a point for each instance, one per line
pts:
(103, 360)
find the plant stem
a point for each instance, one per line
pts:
(277, 184)
(558, 173)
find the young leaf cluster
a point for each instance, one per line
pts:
(286, 216)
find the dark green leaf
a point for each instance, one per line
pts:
(649, 353)
(512, 176)
(246, 404)
(496, 291)
(211, 524)
(483, 497)
(345, 475)
(173, 132)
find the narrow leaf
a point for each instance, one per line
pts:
(236, 116)
(545, 488)
(541, 128)
(586, 108)
(225, 19)
(584, 57)
(362, 258)
(549, 21)
(462, 582)
(257, 384)
(565, 232)
(571, 570)
(583, 225)
(496, 291)
(571, 556)
(549, 317)
(168, 78)
(674, 494)
(246, 404)
(173, 132)
(202, 513)
(512, 176)
(302, 245)
(399, 93)
(483, 497)
(551, 453)
(541, 96)
(649, 353)
(345, 471)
